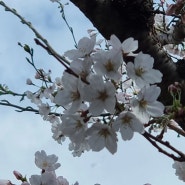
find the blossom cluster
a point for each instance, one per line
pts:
(48, 164)
(101, 94)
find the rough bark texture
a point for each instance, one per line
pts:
(133, 18)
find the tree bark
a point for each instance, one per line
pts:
(134, 18)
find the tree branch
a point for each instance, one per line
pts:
(126, 18)
(24, 109)
(154, 140)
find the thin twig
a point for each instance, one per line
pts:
(176, 129)
(37, 34)
(24, 109)
(154, 140)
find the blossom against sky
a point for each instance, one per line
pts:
(22, 134)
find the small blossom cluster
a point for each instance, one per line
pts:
(102, 94)
(48, 164)
(180, 170)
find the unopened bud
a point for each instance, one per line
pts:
(174, 88)
(37, 75)
(29, 82)
(18, 175)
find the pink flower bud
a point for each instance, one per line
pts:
(37, 76)
(18, 175)
(29, 82)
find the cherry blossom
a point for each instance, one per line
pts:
(34, 97)
(46, 178)
(46, 162)
(180, 169)
(100, 136)
(127, 123)
(108, 63)
(44, 109)
(100, 95)
(146, 104)
(82, 67)
(57, 132)
(79, 148)
(62, 181)
(142, 71)
(127, 47)
(71, 94)
(84, 49)
(74, 127)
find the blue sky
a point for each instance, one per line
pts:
(22, 134)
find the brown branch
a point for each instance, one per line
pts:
(68, 69)
(154, 140)
(24, 109)
(126, 18)
(175, 127)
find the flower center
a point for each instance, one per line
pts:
(75, 95)
(126, 119)
(78, 124)
(104, 132)
(44, 164)
(109, 66)
(103, 95)
(139, 71)
(143, 103)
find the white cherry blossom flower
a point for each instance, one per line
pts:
(82, 67)
(48, 92)
(146, 104)
(79, 148)
(180, 169)
(35, 98)
(100, 95)
(127, 124)
(108, 63)
(52, 118)
(57, 132)
(101, 136)
(74, 127)
(44, 109)
(62, 181)
(84, 49)
(46, 162)
(46, 178)
(127, 47)
(71, 94)
(142, 71)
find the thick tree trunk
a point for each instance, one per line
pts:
(133, 18)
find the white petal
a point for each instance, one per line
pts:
(155, 109)
(153, 76)
(111, 144)
(126, 132)
(129, 45)
(96, 108)
(73, 54)
(151, 93)
(115, 42)
(96, 143)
